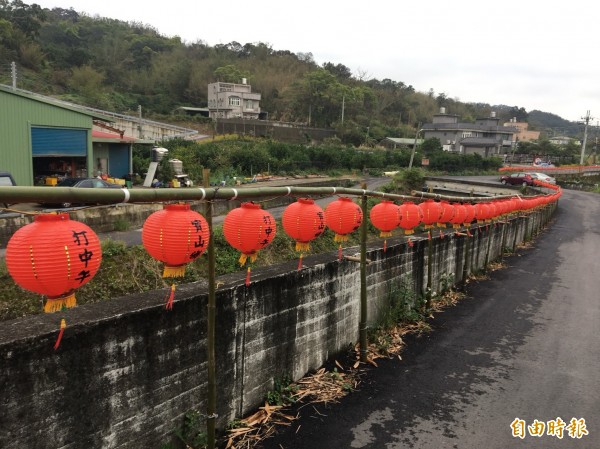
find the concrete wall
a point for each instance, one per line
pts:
(127, 370)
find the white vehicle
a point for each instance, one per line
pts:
(543, 177)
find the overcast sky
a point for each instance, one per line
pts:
(535, 55)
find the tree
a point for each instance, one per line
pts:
(340, 71)
(431, 146)
(27, 18)
(229, 74)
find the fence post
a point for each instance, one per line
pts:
(363, 280)
(211, 413)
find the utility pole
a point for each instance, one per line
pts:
(140, 133)
(414, 148)
(343, 105)
(13, 72)
(586, 119)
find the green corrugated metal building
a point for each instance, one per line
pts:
(40, 138)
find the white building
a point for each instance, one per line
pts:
(228, 100)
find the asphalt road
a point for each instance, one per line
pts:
(524, 344)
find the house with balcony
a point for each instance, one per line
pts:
(229, 100)
(485, 137)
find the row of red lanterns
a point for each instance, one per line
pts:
(54, 255)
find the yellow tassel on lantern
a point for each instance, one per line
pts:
(174, 272)
(408, 232)
(244, 257)
(340, 238)
(385, 234)
(64, 302)
(302, 246)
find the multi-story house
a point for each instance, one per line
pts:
(485, 137)
(229, 100)
(523, 134)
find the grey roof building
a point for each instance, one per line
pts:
(399, 142)
(485, 137)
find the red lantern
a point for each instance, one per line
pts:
(482, 212)
(447, 214)
(385, 217)
(343, 216)
(176, 236)
(410, 217)
(53, 256)
(492, 212)
(460, 213)
(431, 211)
(303, 221)
(249, 229)
(470, 216)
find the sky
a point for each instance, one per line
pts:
(535, 55)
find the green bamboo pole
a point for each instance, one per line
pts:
(211, 414)
(466, 264)
(363, 281)
(57, 195)
(429, 271)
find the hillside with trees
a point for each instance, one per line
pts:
(115, 65)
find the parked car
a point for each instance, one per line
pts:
(6, 179)
(85, 183)
(519, 178)
(543, 177)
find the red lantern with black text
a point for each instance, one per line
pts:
(249, 229)
(343, 216)
(303, 221)
(53, 256)
(176, 236)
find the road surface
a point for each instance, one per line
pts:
(524, 344)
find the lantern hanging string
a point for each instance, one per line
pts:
(63, 326)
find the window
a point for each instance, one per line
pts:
(234, 101)
(467, 134)
(248, 104)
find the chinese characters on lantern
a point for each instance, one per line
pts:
(85, 255)
(200, 242)
(576, 428)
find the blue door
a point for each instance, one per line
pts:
(118, 160)
(58, 142)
